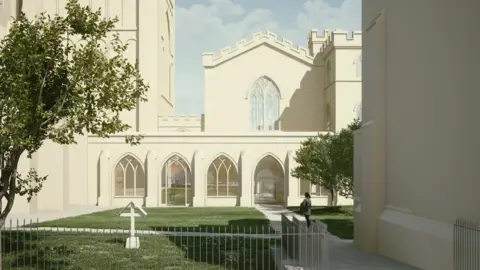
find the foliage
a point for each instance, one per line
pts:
(57, 82)
(315, 163)
(342, 156)
(327, 160)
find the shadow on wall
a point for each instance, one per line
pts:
(306, 108)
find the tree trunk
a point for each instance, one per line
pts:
(332, 200)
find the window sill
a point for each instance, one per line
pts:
(222, 196)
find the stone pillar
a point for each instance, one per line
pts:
(104, 181)
(151, 172)
(292, 183)
(246, 180)
(199, 178)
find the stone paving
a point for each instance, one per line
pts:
(343, 254)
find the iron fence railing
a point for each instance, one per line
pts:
(466, 241)
(27, 246)
(306, 247)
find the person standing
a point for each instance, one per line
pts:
(306, 208)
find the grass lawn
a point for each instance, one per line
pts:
(48, 250)
(224, 219)
(339, 219)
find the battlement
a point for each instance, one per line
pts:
(180, 123)
(335, 38)
(285, 45)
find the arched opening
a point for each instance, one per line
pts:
(269, 181)
(129, 179)
(264, 105)
(177, 182)
(222, 178)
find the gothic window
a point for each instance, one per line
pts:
(222, 178)
(129, 178)
(264, 105)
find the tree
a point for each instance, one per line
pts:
(327, 160)
(56, 82)
(343, 157)
(315, 164)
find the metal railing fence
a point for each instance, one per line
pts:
(306, 247)
(26, 246)
(466, 245)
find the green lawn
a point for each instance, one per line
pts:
(224, 219)
(339, 219)
(47, 250)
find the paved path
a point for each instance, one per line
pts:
(343, 254)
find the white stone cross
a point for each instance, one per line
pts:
(133, 241)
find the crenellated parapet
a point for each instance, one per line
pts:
(259, 38)
(335, 39)
(180, 123)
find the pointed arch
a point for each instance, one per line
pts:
(129, 176)
(222, 177)
(180, 156)
(268, 78)
(264, 96)
(177, 181)
(268, 179)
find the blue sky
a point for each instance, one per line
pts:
(209, 25)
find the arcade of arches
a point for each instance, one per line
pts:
(223, 180)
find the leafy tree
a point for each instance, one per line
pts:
(342, 157)
(327, 160)
(56, 81)
(315, 164)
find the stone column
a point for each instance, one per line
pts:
(151, 173)
(246, 179)
(105, 181)
(199, 175)
(292, 183)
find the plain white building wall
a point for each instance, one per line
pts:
(418, 166)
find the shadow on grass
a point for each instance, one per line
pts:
(21, 250)
(228, 248)
(238, 226)
(235, 246)
(342, 228)
(327, 210)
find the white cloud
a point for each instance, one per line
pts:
(219, 23)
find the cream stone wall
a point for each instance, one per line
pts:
(339, 52)
(231, 74)
(84, 173)
(419, 145)
(199, 150)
